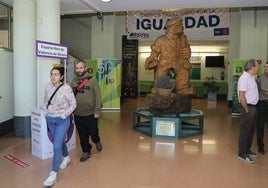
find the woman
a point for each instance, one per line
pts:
(58, 108)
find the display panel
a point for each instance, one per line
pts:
(214, 61)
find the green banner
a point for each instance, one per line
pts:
(238, 69)
(108, 72)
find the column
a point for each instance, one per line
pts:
(48, 29)
(33, 20)
(24, 65)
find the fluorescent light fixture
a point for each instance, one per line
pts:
(106, 1)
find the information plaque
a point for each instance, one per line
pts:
(165, 128)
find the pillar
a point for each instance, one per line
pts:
(24, 65)
(48, 29)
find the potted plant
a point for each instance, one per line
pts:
(164, 85)
(211, 87)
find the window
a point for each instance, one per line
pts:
(6, 26)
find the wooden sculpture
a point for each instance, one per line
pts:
(171, 52)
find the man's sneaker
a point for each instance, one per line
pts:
(252, 154)
(261, 151)
(65, 162)
(99, 146)
(85, 156)
(244, 157)
(51, 179)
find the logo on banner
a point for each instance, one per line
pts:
(137, 35)
(221, 31)
(105, 67)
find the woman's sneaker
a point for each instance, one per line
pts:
(52, 178)
(65, 162)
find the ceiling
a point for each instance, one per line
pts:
(91, 6)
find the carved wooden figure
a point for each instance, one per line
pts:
(172, 52)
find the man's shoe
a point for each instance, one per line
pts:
(51, 179)
(244, 157)
(99, 146)
(252, 154)
(261, 151)
(85, 156)
(65, 162)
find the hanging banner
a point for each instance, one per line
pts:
(198, 23)
(108, 72)
(129, 68)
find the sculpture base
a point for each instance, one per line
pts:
(171, 104)
(170, 126)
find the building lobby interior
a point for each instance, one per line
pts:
(132, 158)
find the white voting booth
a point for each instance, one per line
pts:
(42, 141)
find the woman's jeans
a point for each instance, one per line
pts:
(58, 128)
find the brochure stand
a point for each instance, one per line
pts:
(42, 141)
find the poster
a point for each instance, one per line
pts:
(129, 68)
(238, 69)
(108, 73)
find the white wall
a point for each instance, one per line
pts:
(6, 86)
(253, 38)
(103, 37)
(248, 37)
(76, 34)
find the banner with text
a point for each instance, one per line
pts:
(108, 72)
(129, 68)
(51, 50)
(198, 23)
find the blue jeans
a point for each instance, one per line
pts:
(58, 128)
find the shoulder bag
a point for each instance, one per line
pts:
(49, 101)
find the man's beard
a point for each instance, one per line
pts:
(80, 74)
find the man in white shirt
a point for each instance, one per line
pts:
(248, 96)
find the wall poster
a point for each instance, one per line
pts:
(129, 68)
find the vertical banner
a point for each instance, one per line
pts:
(238, 69)
(129, 68)
(195, 72)
(108, 72)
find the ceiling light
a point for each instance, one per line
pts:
(106, 1)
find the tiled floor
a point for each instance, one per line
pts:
(132, 160)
